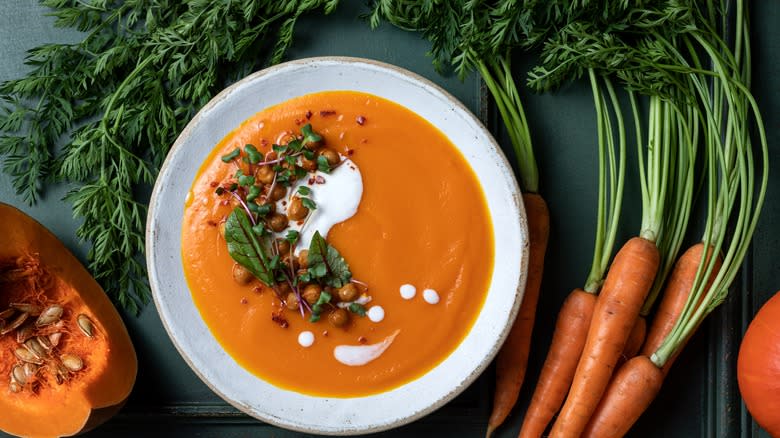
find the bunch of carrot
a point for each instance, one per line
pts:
(704, 107)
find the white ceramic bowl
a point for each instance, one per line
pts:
(302, 412)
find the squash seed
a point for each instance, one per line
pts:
(24, 333)
(14, 387)
(18, 376)
(30, 370)
(7, 313)
(35, 348)
(25, 356)
(54, 338)
(19, 320)
(45, 342)
(58, 370)
(51, 314)
(86, 326)
(32, 309)
(72, 362)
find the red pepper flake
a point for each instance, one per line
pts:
(300, 222)
(325, 333)
(224, 202)
(319, 179)
(363, 141)
(298, 122)
(244, 300)
(257, 290)
(284, 203)
(214, 184)
(350, 152)
(211, 223)
(360, 120)
(311, 180)
(264, 142)
(326, 113)
(362, 340)
(308, 114)
(279, 319)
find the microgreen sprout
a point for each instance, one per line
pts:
(231, 156)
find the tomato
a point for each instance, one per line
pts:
(758, 367)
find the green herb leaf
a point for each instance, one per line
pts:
(253, 155)
(254, 192)
(245, 248)
(326, 262)
(322, 164)
(279, 148)
(308, 154)
(304, 190)
(292, 236)
(246, 180)
(308, 203)
(309, 136)
(231, 156)
(316, 309)
(358, 309)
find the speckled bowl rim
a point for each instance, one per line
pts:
(491, 148)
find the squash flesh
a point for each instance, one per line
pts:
(110, 363)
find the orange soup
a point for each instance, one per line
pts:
(419, 245)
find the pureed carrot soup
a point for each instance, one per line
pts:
(337, 244)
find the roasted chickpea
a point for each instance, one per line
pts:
(311, 293)
(314, 145)
(348, 292)
(277, 222)
(278, 192)
(283, 245)
(308, 165)
(290, 261)
(338, 317)
(330, 155)
(291, 301)
(265, 174)
(241, 275)
(296, 210)
(303, 258)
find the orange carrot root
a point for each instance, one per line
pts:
(676, 293)
(635, 341)
(571, 328)
(617, 308)
(513, 357)
(628, 395)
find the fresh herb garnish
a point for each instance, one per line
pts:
(304, 190)
(252, 154)
(309, 136)
(308, 203)
(253, 193)
(118, 99)
(358, 309)
(316, 309)
(245, 248)
(231, 156)
(322, 164)
(292, 236)
(326, 264)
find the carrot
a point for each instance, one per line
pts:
(513, 357)
(634, 342)
(571, 329)
(633, 388)
(574, 318)
(617, 307)
(678, 289)
(610, 418)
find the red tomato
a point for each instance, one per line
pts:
(758, 367)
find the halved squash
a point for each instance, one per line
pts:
(76, 365)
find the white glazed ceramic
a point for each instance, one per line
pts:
(289, 409)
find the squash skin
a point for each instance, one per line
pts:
(758, 367)
(80, 407)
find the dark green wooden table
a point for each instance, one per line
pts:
(700, 398)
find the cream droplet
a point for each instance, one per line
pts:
(431, 296)
(306, 339)
(408, 291)
(376, 313)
